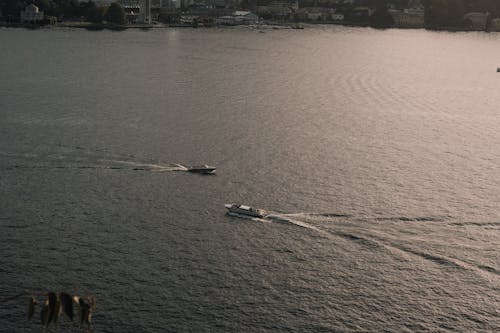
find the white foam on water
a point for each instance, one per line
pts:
(257, 219)
(284, 218)
(150, 166)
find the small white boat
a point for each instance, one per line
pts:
(205, 169)
(244, 210)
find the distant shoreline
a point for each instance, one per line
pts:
(104, 26)
(270, 25)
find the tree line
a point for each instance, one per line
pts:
(450, 13)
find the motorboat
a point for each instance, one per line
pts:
(205, 169)
(244, 210)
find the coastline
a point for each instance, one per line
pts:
(268, 25)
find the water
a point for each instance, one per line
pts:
(375, 152)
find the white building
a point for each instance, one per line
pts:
(239, 17)
(408, 18)
(31, 14)
(188, 19)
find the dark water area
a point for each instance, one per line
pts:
(376, 154)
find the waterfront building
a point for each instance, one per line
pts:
(282, 9)
(31, 14)
(246, 17)
(189, 19)
(239, 17)
(360, 15)
(219, 3)
(408, 18)
(170, 4)
(317, 14)
(132, 9)
(495, 24)
(200, 10)
(145, 11)
(362, 12)
(476, 20)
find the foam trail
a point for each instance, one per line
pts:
(284, 218)
(303, 214)
(149, 166)
(276, 217)
(132, 166)
(318, 217)
(263, 220)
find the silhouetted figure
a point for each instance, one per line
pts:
(87, 306)
(57, 309)
(31, 306)
(45, 313)
(67, 304)
(56, 303)
(52, 307)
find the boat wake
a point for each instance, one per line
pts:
(241, 216)
(131, 166)
(269, 217)
(286, 219)
(66, 157)
(419, 240)
(138, 166)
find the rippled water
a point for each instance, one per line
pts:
(376, 154)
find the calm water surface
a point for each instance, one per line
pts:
(380, 150)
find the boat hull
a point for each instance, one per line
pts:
(235, 209)
(203, 169)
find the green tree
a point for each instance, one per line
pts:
(91, 12)
(456, 13)
(444, 13)
(436, 13)
(115, 14)
(67, 8)
(12, 7)
(381, 18)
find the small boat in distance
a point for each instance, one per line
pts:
(204, 169)
(498, 69)
(244, 210)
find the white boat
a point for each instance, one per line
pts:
(206, 169)
(244, 210)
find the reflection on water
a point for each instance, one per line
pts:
(374, 152)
